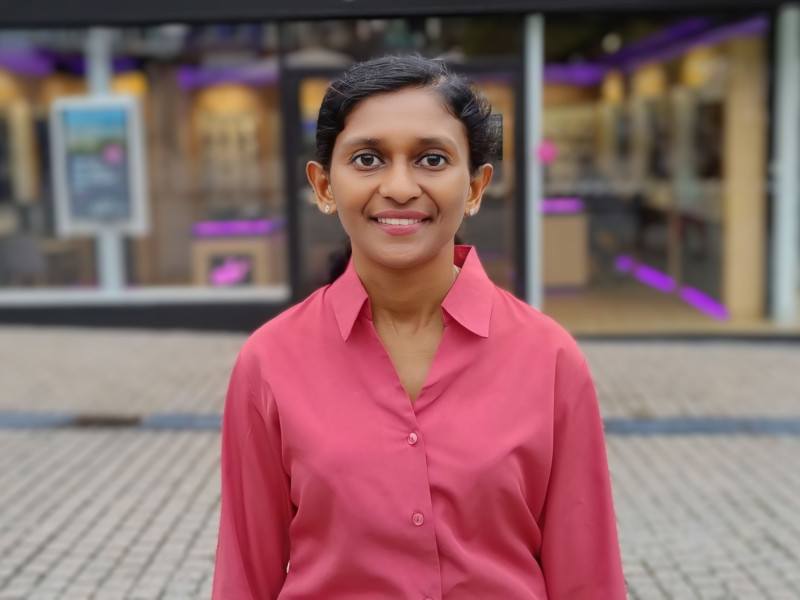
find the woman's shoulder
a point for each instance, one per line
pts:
(514, 316)
(290, 326)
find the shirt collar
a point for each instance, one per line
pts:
(468, 301)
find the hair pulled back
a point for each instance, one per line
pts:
(392, 73)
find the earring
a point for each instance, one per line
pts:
(471, 211)
(327, 208)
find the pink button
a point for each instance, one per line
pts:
(412, 438)
(418, 519)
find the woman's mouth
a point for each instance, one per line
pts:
(396, 226)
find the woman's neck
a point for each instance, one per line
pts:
(407, 300)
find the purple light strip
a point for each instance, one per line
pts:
(562, 206)
(705, 303)
(242, 228)
(582, 74)
(263, 73)
(654, 278)
(624, 264)
(76, 63)
(666, 284)
(755, 26)
(658, 40)
(25, 62)
(662, 46)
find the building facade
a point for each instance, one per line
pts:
(645, 182)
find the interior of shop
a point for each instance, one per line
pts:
(654, 157)
(655, 152)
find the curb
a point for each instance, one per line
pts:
(618, 426)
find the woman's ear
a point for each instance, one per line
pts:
(478, 183)
(320, 182)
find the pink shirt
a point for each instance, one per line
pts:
(493, 485)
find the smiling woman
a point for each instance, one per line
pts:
(419, 154)
(412, 430)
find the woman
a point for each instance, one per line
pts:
(411, 430)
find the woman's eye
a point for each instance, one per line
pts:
(433, 160)
(365, 160)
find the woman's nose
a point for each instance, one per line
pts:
(398, 183)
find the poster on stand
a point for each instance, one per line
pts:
(98, 165)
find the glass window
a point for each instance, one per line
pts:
(655, 187)
(211, 119)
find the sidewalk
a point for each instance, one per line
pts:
(134, 372)
(131, 513)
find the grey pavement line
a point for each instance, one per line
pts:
(679, 425)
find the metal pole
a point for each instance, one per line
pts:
(109, 249)
(534, 77)
(786, 215)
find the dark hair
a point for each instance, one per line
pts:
(392, 73)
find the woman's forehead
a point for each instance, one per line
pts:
(409, 114)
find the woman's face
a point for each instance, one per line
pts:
(401, 152)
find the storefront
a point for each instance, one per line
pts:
(633, 194)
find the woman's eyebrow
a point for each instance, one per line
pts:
(373, 142)
(362, 141)
(435, 141)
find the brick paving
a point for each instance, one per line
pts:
(114, 371)
(103, 514)
(133, 515)
(107, 514)
(140, 372)
(697, 378)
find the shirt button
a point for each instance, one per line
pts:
(412, 438)
(417, 519)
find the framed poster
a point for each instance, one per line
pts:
(98, 166)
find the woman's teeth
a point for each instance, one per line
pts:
(399, 221)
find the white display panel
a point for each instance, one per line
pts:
(98, 165)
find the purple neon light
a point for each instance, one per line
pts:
(666, 284)
(231, 272)
(562, 206)
(654, 278)
(76, 63)
(664, 45)
(25, 62)
(257, 73)
(211, 229)
(624, 263)
(581, 74)
(755, 26)
(658, 40)
(705, 303)
(36, 62)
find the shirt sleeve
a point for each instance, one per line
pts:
(253, 542)
(580, 554)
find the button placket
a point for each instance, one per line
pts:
(424, 509)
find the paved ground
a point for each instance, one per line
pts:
(139, 372)
(132, 514)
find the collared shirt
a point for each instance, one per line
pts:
(492, 485)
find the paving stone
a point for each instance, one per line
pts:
(109, 514)
(72, 369)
